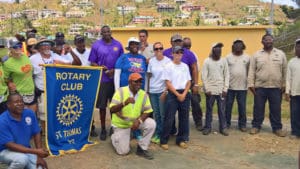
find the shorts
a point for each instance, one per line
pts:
(105, 94)
(29, 99)
(41, 110)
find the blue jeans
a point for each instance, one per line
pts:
(210, 100)
(158, 112)
(295, 115)
(16, 160)
(273, 95)
(241, 97)
(172, 106)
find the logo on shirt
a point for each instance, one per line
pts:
(116, 49)
(26, 68)
(28, 121)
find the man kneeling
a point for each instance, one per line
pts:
(130, 108)
(17, 127)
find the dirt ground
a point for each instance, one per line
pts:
(237, 151)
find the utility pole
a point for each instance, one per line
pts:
(270, 30)
(101, 13)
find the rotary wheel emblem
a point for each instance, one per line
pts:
(69, 109)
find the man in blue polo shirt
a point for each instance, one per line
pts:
(17, 127)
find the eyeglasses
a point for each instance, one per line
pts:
(179, 52)
(156, 49)
(137, 81)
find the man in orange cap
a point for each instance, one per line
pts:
(130, 108)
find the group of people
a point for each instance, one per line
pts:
(145, 88)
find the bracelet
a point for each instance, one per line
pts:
(140, 120)
(196, 85)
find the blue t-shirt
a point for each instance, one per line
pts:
(129, 63)
(19, 132)
(106, 55)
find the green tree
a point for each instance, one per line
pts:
(167, 22)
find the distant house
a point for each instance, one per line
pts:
(76, 28)
(49, 13)
(251, 19)
(211, 17)
(75, 14)
(189, 7)
(4, 17)
(93, 33)
(254, 9)
(126, 9)
(142, 19)
(85, 4)
(16, 15)
(31, 14)
(165, 7)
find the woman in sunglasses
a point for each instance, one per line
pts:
(18, 75)
(156, 87)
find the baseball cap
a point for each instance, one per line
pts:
(134, 76)
(176, 37)
(132, 39)
(217, 44)
(78, 38)
(297, 41)
(59, 34)
(15, 44)
(176, 49)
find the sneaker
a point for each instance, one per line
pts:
(243, 129)
(224, 132)
(199, 127)
(155, 140)
(206, 131)
(254, 131)
(103, 135)
(279, 133)
(144, 153)
(93, 133)
(164, 146)
(183, 145)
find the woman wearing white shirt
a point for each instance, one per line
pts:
(157, 87)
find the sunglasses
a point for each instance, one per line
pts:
(179, 52)
(137, 81)
(156, 49)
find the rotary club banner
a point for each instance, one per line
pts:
(70, 95)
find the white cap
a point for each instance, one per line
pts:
(297, 40)
(132, 39)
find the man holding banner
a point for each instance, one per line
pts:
(130, 108)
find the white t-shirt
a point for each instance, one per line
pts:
(84, 57)
(156, 68)
(178, 75)
(36, 61)
(293, 77)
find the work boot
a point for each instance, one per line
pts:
(103, 135)
(206, 131)
(279, 133)
(199, 127)
(144, 153)
(224, 132)
(254, 130)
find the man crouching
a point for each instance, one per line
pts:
(130, 108)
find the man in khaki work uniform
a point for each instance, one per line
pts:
(130, 108)
(266, 80)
